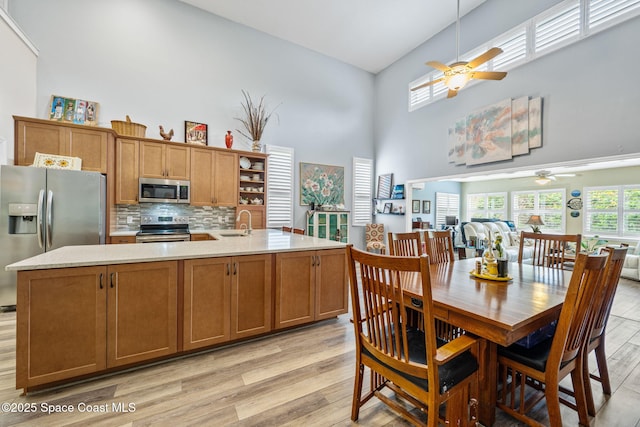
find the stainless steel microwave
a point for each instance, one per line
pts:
(153, 190)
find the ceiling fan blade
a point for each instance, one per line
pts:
(438, 66)
(427, 84)
(488, 75)
(490, 54)
(452, 93)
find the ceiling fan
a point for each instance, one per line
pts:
(544, 177)
(458, 74)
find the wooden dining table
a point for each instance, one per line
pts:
(497, 312)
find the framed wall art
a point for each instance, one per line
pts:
(415, 206)
(195, 133)
(384, 186)
(387, 208)
(426, 206)
(322, 185)
(71, 110)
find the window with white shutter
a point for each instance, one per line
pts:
(612, 211)
(447, 204)
(362, 191)
(279, 186)
(487, 205)
(549, 204)
(561, 25)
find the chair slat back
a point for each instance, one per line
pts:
(573, 328)
(405, 244)
(548, 249)
(611, 277)
(287, 229)
(377, 300)
(439, 246)
(298, 231)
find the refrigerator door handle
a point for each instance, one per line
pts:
(40, 217)
(49, 218)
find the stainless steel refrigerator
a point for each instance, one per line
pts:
(43, 209)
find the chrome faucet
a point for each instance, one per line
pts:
(249, 224)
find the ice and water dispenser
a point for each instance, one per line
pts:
(23, 218)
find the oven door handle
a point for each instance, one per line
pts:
(163, 239)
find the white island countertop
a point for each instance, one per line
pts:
(258, 242)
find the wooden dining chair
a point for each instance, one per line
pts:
(597, 337)
(549, 250)
(298, 231)
(287, 229)
(420, 369)
(529, 375)
(405, 244)
(439, 246)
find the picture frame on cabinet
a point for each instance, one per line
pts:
(426, 206)
(415, 206)
(71, 110)
(387, 208)
(196, 133)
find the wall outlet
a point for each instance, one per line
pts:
(129, 219)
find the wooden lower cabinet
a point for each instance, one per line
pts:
(61, 321)
(310, 285)
(122, 239)
(226, 299)
(142, 312)
(332, 294)
(77, 321)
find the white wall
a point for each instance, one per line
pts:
(590, 107)
(163, 62)
(17, 82)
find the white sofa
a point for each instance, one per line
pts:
(489, 231)
(631, 266)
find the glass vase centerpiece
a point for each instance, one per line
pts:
(254, 120)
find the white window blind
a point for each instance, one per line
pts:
(612, 211)
(487, 205)
(362, 191)
(279, 186)
(549, 204)
(561, 25)
(447, 204)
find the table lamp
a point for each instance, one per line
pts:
(535, 221)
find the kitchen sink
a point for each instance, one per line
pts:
(232, 233)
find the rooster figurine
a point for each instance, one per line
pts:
(166, 135)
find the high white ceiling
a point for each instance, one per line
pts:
(370, 34)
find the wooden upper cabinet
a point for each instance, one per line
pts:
(127, 170)
(164, 160)
(91, 147)
(214, 179)
(40, 136)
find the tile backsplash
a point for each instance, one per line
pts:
(200, 217)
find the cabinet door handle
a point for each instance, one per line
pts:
(313, 261)
(228, 269)
(101, 286)
(235, 268)
(111, 279)
(317, 260)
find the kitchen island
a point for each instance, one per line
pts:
(87, 310)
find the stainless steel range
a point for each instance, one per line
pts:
(164, 228)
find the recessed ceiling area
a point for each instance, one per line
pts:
(369, 34)
(565, 168)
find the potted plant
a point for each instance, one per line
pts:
(254, 120)
(590, 245)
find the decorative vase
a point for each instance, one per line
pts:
(228, 139)
(256, 146)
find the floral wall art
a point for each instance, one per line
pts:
(496, 132)
(322, 185)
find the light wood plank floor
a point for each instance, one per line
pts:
(302, 377)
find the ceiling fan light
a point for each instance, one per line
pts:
(457, 79)
(542, 180)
